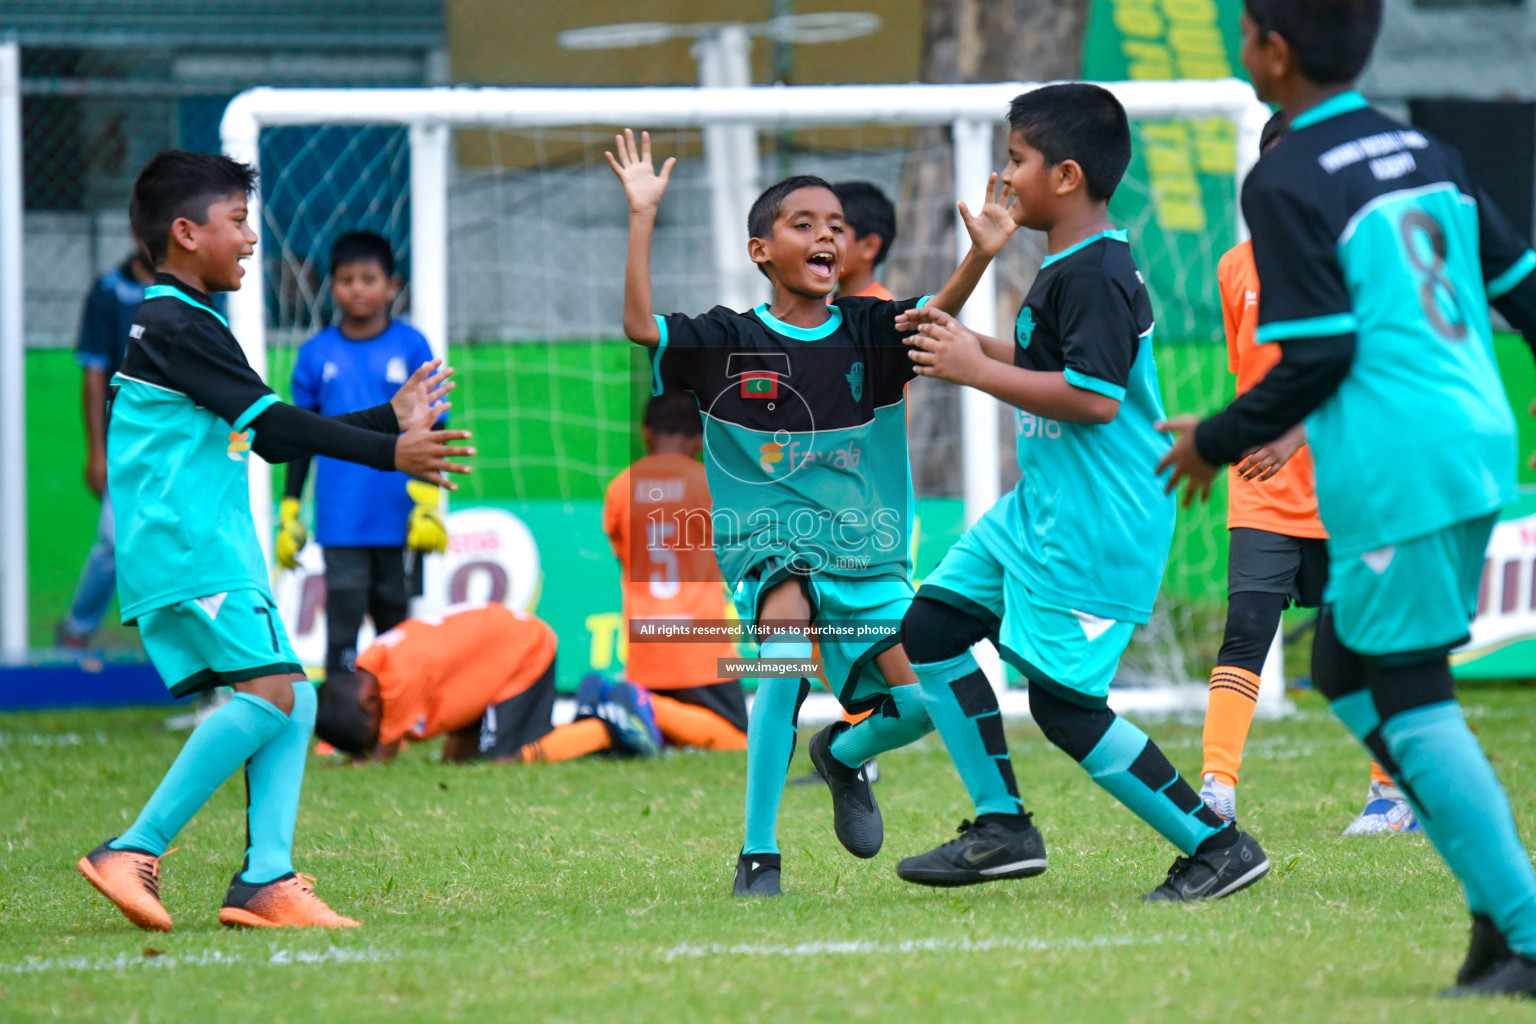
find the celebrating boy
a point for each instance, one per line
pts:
(1062, 568)
(806, 451)
(187, 410)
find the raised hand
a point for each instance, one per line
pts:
(643, 187)
(423, 453)
(419, 402)
(991, 228)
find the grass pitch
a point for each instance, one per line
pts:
(599, 891)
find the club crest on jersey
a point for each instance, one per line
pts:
(855, 379)
(239, 444)
(1025, 328)
(395, 372)
(761, 385)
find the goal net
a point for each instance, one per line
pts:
(510, 230)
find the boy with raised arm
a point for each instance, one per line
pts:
(805, 446)
(187, 410)
(1060, 571)
(1378, 257)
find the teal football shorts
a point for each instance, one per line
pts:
(1413, 599)
(216, 641)
(855, 620)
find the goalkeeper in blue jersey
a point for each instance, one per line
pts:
(1061, 570)
(186, 412)
(374, 526)
(1378, 258)
(806, 450)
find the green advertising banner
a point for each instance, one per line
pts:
(1178, 199)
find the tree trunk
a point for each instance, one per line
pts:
(970, 41)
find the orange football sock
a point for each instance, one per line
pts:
(1379, 774)
(577, 739)
(1234, 693)
(688, 725)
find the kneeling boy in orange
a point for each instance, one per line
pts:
(483, 677)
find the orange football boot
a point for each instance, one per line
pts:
(131, 880)
(287, 902)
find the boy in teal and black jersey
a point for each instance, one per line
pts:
(805, 447)
(1061, 570)
(186, 411)
(1377, 259)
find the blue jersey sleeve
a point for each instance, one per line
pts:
(98, 330)
(307, 378)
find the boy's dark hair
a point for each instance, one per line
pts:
(768, 206)
(339, 720)
(361, 247)
(676, 412)
(176, 183)
(867, 210)
(1275, 129)
(1333, 39)
(1077, 121)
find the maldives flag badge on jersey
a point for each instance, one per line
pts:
(760, 385)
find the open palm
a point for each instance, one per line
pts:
(643, 187)
(991, 228)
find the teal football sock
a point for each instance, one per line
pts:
(964, 709)
(1466, 814)
(225, 740)
(1134, 771)
(881, 732)
(771, 742)
(273, 779)
(1358, 712)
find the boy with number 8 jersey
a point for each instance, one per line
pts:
(1378, 258)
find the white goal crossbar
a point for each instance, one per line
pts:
(430, 115)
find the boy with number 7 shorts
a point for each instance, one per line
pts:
(187, 410)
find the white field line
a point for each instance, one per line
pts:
(214, 958)
(867, 948)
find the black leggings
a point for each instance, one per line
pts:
(1252, 618)
(1338, 672)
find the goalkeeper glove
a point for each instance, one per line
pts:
(291, 536)
(426, 532)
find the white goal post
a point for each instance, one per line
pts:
(972, 112)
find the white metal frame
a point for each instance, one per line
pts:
(727, 114)
(13, 410)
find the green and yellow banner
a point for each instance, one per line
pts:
(1178, 199)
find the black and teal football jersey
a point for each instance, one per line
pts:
(1093, 524)
(1372, 233)
(178, 446)
(805, 438)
